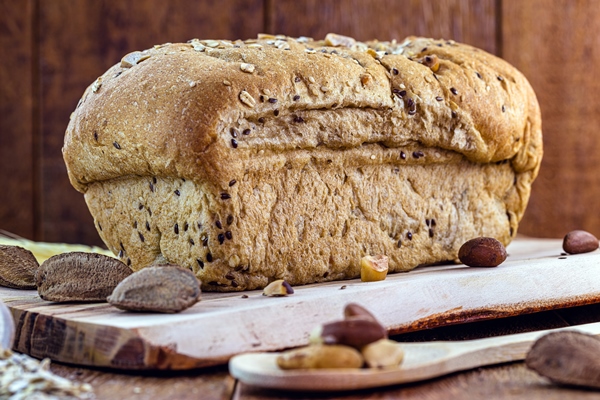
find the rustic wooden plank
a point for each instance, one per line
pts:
(472, 22)
(73, 54)
(17, 160)
(225, 324)
(554, 43)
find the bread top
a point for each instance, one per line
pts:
(206, 109)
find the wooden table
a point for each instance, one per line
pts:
(511, 380)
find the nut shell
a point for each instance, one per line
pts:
(482, 252)
(79, 276)
(162, 288)
(577, 242)
(17, 267)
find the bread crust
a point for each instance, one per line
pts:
(209, 113)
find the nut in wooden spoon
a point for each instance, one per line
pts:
(569, 357)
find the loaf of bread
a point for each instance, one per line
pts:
(282, 158)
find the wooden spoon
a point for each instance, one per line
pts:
(421, 361)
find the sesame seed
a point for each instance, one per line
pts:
(427, 222)
(454, 91)
(430, 232)
(221, 238)
(99, 226)
(177, 192)
(141, 236)
(225, 196)
(402, 155)
(296, 97)
(96, 136)
(120, 254)
(311, 79)
(128, 262)
(454, 114)
(298, 119)
(233, 282)
(409, 236)
(134, 224)
(185, 227)
(423, 49)
(234, 143)
(218, 224)
(297, 79)
(433, 222)
(261, 120)
(439, 98)
(229, 235)
(272, 100)
(200, 263)
(503, 108)
(147, 226)
(500, 78)
(410, 103)
(229, 219)
(192, 241)
(232, 182)
(229, 276)
(141, 207)
(262, 98)
(246, 131)
(209, 257)
(399, 244)
(276, 112)
(395, 71)
(478, 75)
(117, 146)
(205, 242)
(154, 179)
(233, 132)
(417, 154)
(402, 93)
(176, 229)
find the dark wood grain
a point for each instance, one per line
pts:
(207, 384)
(16, 117)
(81, 39)
(467, 21)
(555, 44)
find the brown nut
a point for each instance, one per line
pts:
(577, 242)
(161, 288)
(569, 357)
(17, 267)
(482, 252)
(355, 332)
(79, 276)
(383, 353)
(373, 268)
(353, 310)
(278, 288)
(320, 356)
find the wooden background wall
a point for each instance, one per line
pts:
(52, 49)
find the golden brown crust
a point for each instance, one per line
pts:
(262, 111)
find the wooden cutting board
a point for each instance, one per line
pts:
(535, 277)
